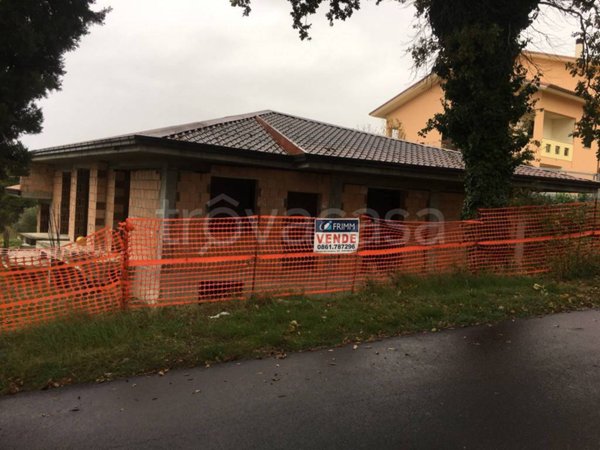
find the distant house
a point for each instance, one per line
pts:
(556, 111)
(259, 163)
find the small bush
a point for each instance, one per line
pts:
(27, 221)
(578, 261)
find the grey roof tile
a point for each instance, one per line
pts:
(244, 132)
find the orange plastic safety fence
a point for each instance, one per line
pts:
(42, 284)
(158, 262)
(180, 261)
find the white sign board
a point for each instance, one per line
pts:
(336, 235)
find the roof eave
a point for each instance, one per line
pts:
(405, 96)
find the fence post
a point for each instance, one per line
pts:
(124, 229)
(258, 225)
(357, 257)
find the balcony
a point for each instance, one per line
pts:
(557, 149)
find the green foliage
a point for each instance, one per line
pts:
(11, 208)
(35, 35)
(525, 197)
(486, 90)
(87, 349)
(474, 47)
(587, 67)
(27, 221)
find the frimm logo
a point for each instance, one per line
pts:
(336, 225)
(336, 235)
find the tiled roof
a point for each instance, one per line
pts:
(243, 133)
(274, 133)
(317, 138)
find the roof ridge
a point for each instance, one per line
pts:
(350, 129)
(193, 126)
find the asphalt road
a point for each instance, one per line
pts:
(525, 384)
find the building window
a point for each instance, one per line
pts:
(385, 203)
(548, 148)
(232, 197)
(121, 199)
(82, 198)
(65, 203)
(302, 204)
(44, 217)
(566, 151)
(557, 149)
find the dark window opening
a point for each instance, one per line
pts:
(44, 217)
(65, 203)
(302, 204)
(82, 198)
(121, 200)
(386, 203)
(232, 197)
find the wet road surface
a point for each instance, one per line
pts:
(527, 384)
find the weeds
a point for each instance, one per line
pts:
(89, 349)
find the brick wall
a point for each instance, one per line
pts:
(110, 198)
(97, 198)
(56, 202)
(193, 189)
(450, 204)
(144, 196)
(39, 183)
(354, 199)
(415, 202)
(72, 203)
(193, 192)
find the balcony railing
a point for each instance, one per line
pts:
(557, 149)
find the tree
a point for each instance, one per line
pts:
(587, 69)
(35, 36)
(474, 47)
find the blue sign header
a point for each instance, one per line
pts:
(336, 226)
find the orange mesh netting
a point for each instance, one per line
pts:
(41, 284)
(179, 261)
(158, 262)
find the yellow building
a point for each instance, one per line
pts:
(557, 109)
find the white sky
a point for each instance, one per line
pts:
(157, 63)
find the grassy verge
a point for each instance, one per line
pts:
(85, 349)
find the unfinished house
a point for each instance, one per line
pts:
(262, 163)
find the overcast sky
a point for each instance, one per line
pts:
(157, 63)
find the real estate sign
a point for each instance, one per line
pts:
(336, 235)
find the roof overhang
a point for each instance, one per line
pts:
(137, 151)
(14, 190)
(561, 92)
(405, 96)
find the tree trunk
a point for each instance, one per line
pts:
(5, 238)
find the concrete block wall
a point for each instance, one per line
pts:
(144, 194)
(92, 200)
(56, 202)
(72, 203)
(450, 204)
(415, 202)
(193, 193)
(110, 198)
(193, 189)
(354, 199)
(39, 183)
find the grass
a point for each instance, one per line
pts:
(85, 349)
